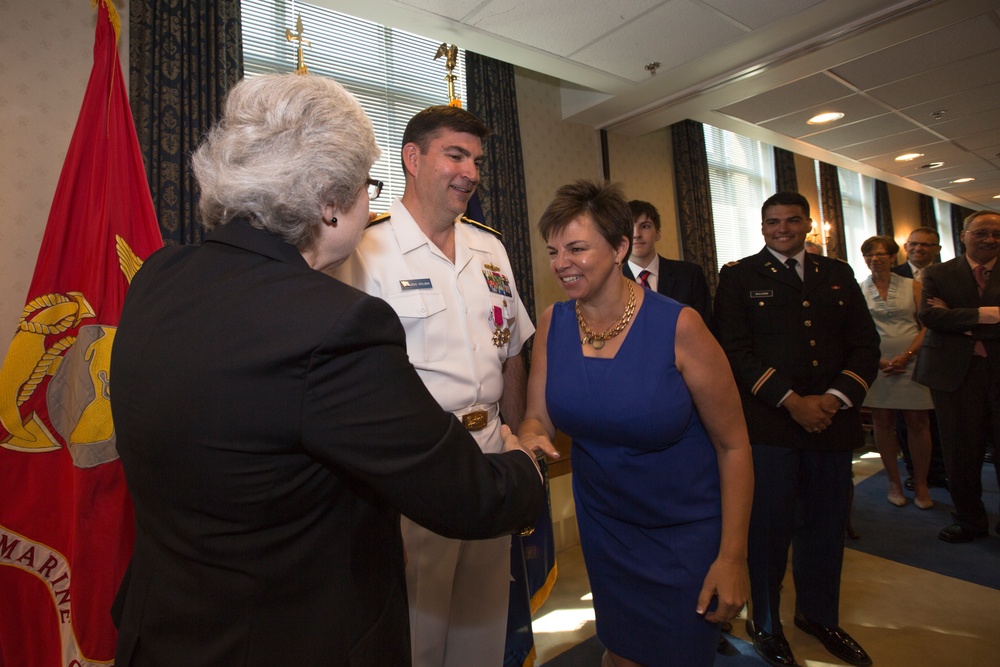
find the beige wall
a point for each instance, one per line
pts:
(556, 152)
(46, 53)
(643, 166)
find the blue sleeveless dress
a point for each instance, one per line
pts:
(646, 485)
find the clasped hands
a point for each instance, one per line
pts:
(813, 412)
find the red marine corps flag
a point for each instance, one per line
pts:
(66, 526)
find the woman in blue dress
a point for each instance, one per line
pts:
(662, 472)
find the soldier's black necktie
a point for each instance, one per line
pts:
(790, 263)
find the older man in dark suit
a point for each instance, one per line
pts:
(681, 281)
(804, 349)
(960, 362)
(922, 247)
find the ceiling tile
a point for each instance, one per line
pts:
(897, 142)
(920, 54)
(980, 139)
(672, 34)
(956, 106)
(787, 99)
(854, 107)
(558, 26)
(758, 13)
(953, 78)
(862, 131)
(974, 124)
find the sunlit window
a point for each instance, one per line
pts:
(392, 73)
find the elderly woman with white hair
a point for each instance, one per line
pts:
(269, 423)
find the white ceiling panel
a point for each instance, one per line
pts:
(896, 143)
(854, 107)
(672, 34)
(759, 67)
(862, 131)
(788, 99)
(983, 121)
(920, 54)
(943, 81)
(562, 27)
(758, 13)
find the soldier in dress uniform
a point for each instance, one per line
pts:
(804, 349)
(450, 281)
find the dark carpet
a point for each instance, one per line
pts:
(588, 654)
(908, 535)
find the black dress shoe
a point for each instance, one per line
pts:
(956, 534)
(908, 483)
(773, 649)
(836, 641)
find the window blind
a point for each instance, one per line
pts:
(741, 177)
(392, 73)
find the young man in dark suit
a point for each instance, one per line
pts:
(960, 362)
(681, 281)
(804, 350)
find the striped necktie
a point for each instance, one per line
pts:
(644, 278)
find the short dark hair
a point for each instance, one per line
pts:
(886, 242)
(603, 202)
(640, 208)
(785, 199)
(425, 125)
(926, 230)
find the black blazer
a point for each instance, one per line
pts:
(681, 281)
(904, 270)
(781, 335)
(946, 353)
(271, 430)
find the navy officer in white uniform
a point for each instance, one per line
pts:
(450, 281)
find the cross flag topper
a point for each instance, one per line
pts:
(297, 37)
(451, 59)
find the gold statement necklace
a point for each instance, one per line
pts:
(596, 340)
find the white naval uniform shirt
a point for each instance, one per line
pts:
(447, 309)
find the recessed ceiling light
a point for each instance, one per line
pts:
(826, 118)
(932, 165)
(967, 179)
(906, 157)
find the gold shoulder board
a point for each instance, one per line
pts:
(381, 217)
(485, 228)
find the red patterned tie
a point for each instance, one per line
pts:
(980, 275)
(644, 278)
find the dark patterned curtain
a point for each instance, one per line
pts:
(833, 210)
(489, 85)
(694, 198)
(785, 178)
(958, 216)
(928, 216)
(883, 209)
(184, 56)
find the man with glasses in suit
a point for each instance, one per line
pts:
(922, 247)
(960, 362)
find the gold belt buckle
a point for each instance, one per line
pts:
(475, 420)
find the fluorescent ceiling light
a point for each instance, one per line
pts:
(967, 179)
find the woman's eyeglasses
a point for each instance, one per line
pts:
(374, 188)
(877, 255)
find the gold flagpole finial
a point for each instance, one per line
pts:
(451, 59)
(297, 37)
